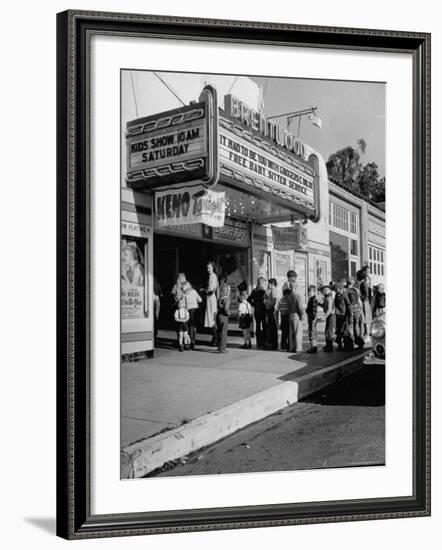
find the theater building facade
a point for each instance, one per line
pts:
(215, 180)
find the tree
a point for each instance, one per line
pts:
(368, 179)
(344, 167)
(378, 190)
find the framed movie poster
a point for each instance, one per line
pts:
(229, 237)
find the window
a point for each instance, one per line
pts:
(353, 223)
(343, 219)
(339, 217)
(353, 268)
(376, 257)
(339, 256)
(353, 247)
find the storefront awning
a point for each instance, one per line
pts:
(250, 206)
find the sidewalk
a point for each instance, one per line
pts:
(177, 402)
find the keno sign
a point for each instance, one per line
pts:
(189, 205)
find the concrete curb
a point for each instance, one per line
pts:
(149, 454)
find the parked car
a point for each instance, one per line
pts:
(377, 342)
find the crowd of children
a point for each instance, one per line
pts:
(347, 307)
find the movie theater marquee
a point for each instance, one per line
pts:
(236, 146)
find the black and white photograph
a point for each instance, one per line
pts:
(208, 206)
(253, 274)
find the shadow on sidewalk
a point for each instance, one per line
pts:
(365, 388)
(310, 362)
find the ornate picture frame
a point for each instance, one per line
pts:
(75, 29)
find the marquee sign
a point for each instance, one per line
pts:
(198, 143)
(174, 146)
(255, 165)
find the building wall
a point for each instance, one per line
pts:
(376, 245)
(360, 226)
(316, 261)
(347, 219)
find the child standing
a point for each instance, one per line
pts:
(270, 303)
(223, 314)
(256, 300)
(192, 300)
(284, 318)
(312, 318)
(182, 320)
(354, 324)
(245, 319)
(342, 312)
(329, 315)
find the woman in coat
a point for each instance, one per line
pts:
(211, 295)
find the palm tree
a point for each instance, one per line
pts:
(362, 144)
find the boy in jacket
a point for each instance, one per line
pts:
(329, 315)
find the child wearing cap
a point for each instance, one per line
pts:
(330, 317)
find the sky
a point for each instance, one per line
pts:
(348, 110)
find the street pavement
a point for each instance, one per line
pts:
(342, 425)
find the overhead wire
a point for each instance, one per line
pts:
(171, 90)
(134, 94)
